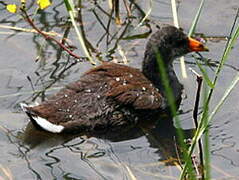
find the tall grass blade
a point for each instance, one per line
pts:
(131, 175)
(117, 12)
(172, 106)
(206, 151)
(175, 14)
(176, 24)
(202, 127)
(7, 172)
(71, 11)
(166, 84)
(207, 164)
(226, 94)
(146, 15)
(196, 18)
(205, 76)
(227, 51)
(110, 3)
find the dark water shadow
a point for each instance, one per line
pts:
(161, 135)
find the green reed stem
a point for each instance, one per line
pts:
(196, 18)
(204, 122)
(173, 108)
(71, 11)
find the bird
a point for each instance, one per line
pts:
(113, 95)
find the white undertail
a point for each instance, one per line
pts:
(43, 123)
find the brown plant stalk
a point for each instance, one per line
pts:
(195, 113)
(46, 36)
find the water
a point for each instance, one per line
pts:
(147, 153)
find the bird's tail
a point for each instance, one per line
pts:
(39, 121)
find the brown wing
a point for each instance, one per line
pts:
(99, 92)
(129, 86)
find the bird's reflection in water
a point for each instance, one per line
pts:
(161, 135)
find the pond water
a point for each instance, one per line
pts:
(32, 68)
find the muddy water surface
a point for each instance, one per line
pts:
(29, 65)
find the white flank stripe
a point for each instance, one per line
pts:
(43, 123)
(23, 106)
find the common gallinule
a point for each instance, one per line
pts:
(113, 95)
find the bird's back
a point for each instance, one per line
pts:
(110, 95)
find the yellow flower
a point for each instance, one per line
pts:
(12, 8)
(43, 3)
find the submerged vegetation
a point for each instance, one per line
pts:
(195, 161)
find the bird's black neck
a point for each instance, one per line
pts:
(151, 71)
